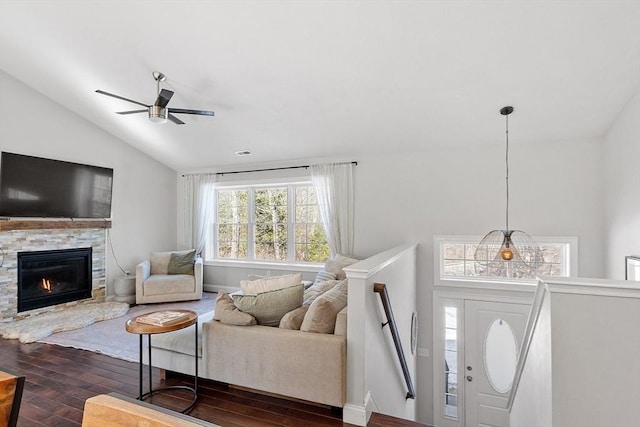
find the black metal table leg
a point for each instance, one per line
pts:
(150, 366)
(140, 373)
(134, 328)
(195, 352)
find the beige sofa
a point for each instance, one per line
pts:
(302, 365)
(155, 284)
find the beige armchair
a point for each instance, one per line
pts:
(157, 281)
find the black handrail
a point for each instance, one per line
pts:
(381, 289)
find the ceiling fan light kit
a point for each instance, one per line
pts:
(501, 248)
(159, 112)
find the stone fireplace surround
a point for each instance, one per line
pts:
(39, 235)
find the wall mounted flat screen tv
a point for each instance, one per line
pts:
(45, 188)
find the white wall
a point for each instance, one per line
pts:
(144, 191)
(374, 374)
(621, 154)
(556, 190)
(410, 197)
(569, 375)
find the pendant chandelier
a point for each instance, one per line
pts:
(502, 249)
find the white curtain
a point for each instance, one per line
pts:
(198, 209)
(334, 188)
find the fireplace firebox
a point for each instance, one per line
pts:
(53, 277)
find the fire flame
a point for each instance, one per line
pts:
(46, 284)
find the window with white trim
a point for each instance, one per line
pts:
(456, 260)
(268, 223)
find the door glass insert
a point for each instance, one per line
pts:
(451, 362)
(500, 355)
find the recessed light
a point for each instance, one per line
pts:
(243, 153)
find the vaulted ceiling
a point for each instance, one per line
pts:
(314, 79)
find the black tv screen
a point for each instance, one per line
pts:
(37, 187)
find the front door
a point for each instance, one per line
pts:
(493, 336)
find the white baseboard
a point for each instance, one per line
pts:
(370, 405)
(359, 415)
(217, 288)
(354, 414)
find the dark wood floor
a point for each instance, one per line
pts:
(59, 380)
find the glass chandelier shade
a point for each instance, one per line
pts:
(513, 247)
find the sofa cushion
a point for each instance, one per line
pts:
(324, 275)
(264, 284)
(182, 341)
(317, 289)
(321, 317)
(336, 264)
(341, 322)
(160, 261)
(293, 319)
(229, 314)
(181, 263)
(269, 307)
(161, 284)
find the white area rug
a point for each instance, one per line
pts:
(109, 337)
(42, 325)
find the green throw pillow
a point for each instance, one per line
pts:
(181, 263)
(269, 307)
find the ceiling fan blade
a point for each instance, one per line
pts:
(120, 97)
(163, 98)
(132, 112)
(184, 111)
(175, 120)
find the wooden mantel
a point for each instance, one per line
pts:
(11, 224)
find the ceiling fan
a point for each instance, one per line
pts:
(158, 112)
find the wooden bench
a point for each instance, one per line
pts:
(11, 387)
(119, 410)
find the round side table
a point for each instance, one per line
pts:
(134, 327)
(124, 288)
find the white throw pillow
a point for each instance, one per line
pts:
(265, 284)
(337, 263)
(324, 275)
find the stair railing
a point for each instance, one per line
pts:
(381, 289)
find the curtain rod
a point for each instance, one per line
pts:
(266, 170)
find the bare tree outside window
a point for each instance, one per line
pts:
(275, 223)
(311, 241)
(270, 221)
(232, 223)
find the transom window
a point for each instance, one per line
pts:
(270, 223)
(456, 262)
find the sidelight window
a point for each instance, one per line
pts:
(451, 362)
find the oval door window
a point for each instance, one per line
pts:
(500, 355)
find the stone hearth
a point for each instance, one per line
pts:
(35, 237)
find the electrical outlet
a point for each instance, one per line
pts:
(423, 352)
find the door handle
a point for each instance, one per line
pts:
(469, 378)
